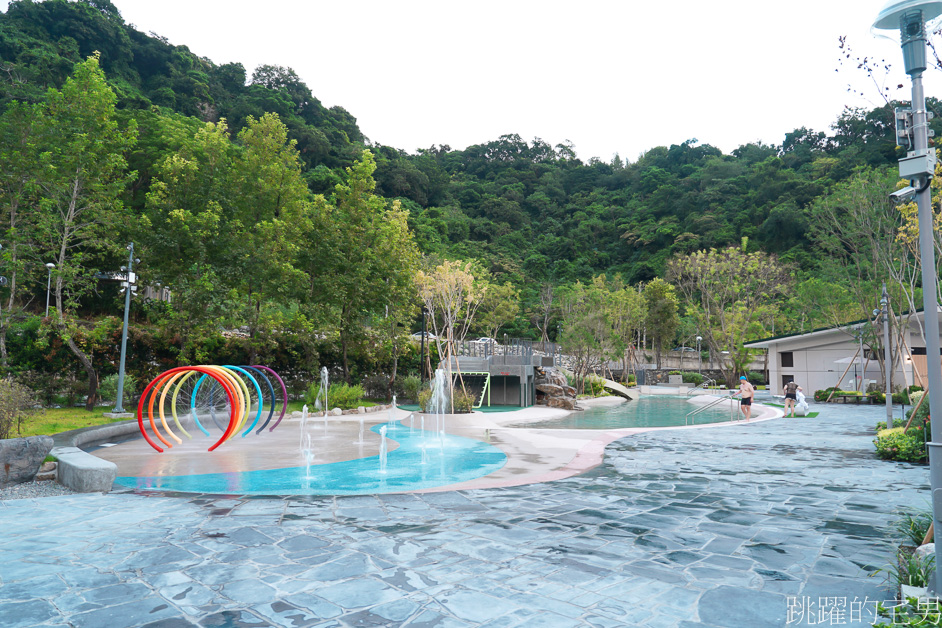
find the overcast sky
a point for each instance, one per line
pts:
(611, 76)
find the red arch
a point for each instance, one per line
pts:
(164, 375)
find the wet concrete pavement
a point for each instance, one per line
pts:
(754, 525)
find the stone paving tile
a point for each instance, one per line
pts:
(704, 528)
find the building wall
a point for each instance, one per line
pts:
(820, 362)
(817, 366)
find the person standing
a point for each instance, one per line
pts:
(791, 397)
(746, 393)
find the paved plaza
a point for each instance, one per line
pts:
(764, 524)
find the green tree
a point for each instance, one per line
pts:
(19, 159)
(661, 319)
(500, 306)
(186, 235)
(587, 335)
(270, 210)
(83, 174)
(361, 257)
(729, 292)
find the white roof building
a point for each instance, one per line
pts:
(817, 359)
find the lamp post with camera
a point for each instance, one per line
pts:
(908, 17)
(129, 287)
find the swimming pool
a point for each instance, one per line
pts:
(423, 460)
(649, 411)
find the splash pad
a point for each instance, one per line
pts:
(321, 454)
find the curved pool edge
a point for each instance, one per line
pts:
(591, 453)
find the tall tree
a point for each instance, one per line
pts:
(729, 292)
(83, 175)
(271, 208)
(661, 319)
(19, 158)
(362, 257)
(501, 304)
(452, 295)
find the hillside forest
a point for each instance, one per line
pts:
(269, 230)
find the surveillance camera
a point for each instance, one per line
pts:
(903, 195)
(876, 312)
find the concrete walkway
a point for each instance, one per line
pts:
(751, 525)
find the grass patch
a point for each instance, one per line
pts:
(54, 420)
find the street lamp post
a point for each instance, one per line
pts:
(128, 287)
(909, 16)
(50, 266)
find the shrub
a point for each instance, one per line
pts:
(340, 395)
(923, 412)
(108, 387)
(914, 525)
(464, 401)
(674, 373)
(893, 444)
(17, 403)
(692, 378)
(631, 380)
(594, 385)
(881, 425)
(410, 387)
(756, 379)
(822, 395)
(424, 396)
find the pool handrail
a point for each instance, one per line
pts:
(715, 402)
(701, 386)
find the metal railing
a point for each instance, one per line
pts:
(701, 386)
(514, 347)
(734, 409)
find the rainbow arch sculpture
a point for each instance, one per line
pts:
(229, 396)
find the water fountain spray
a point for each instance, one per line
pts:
(382, 449)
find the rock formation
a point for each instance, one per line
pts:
(553, 390)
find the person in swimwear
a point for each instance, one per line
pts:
(746, 393)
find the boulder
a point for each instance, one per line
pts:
(551, 390)
(561, 402)
(20, 458)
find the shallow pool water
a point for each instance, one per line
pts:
(423, 460)
(653, 411)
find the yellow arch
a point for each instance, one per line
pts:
(160, 408)
(173, 400)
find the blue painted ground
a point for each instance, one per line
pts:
(446, 459)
